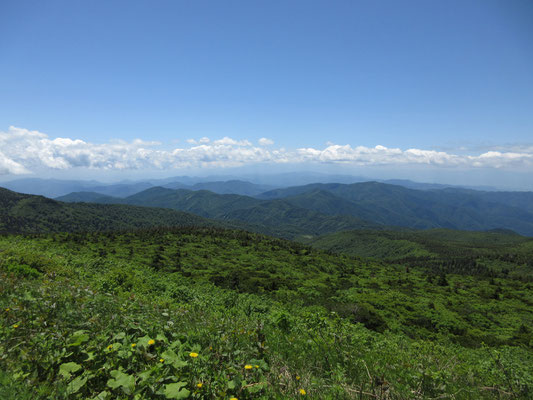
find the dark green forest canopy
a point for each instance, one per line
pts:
(22, 213)
(497, 253)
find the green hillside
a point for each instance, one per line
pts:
(21, 213)
(419, 209)
(438, 249)
(375, 204)
(210, 313)
(277, 217)
(201, 202)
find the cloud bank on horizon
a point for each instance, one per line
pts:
(25, 152)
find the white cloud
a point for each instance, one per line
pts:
(265, 142)
(23, 151)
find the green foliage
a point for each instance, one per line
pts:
(439, 250)
(249, 316)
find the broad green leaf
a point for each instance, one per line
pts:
(161, 338)
(145, 374)
(102, 396)
(78, 337)
(67, 369)
(125, 381)
(176, 391)
(172, 358)
(76, 384)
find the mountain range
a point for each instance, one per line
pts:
(319, 208)
(248, 185)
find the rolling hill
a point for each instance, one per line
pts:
(22, 213)
(341, 206)
(276, 217)
(420, 209)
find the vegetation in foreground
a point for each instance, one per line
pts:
(208, 313)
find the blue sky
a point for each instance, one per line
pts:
(448, 77)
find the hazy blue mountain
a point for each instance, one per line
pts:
(49, 187)
(89, 197)
(431, 186)
(122, 189)
(224, 187)
(55, 187)
(421, 209)
(233, 187)
(371, 202)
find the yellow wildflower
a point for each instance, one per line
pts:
(199, 384)
(7, 309)
(297, 378)
(302, 392)
(151, 342)
(233, 398)
(161, 360)
(15, 326)
(193, 355)
(109, 347)
(133, 345)
(247, 366)
(257, 366)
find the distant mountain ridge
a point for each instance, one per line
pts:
(53, 188)
(277, 217)
(248, 185)
(330, 207)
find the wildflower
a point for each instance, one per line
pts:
(7, 309)
(199, 385)
(161, 360)
(297, 378)
(193, 355)
(15, 326)
(233, 398)
(257, 366)
(247, 366)
(133, 345)
(302, 392)
(151, 342)
(109, 347)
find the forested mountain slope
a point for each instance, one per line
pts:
(420, 209)
(276, 217)
(497, 252)
(22, 213)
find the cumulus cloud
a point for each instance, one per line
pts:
(23, 151)
(265, 142)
